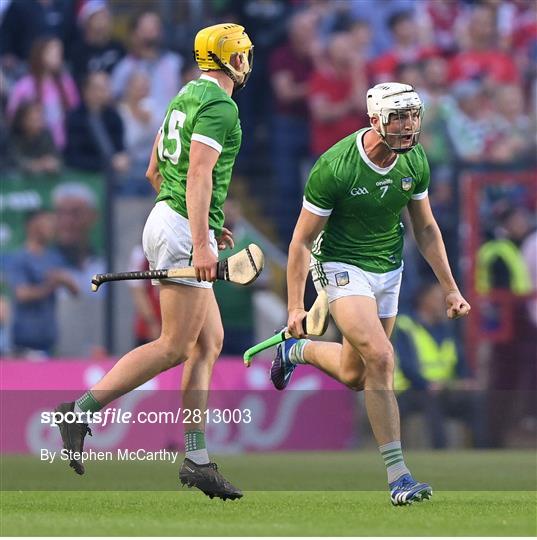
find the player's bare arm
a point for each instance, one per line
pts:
(199, 182)
(431, 245)
(306, 231)
(152, 173)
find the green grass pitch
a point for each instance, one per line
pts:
(476, 493)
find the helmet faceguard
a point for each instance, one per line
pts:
(406, 130)
(400, 112)
(240, 78)
(215, 47)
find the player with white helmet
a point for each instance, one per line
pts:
(393, 104)
(350, 235)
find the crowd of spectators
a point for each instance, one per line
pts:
(473, 61)
(47, 280)
(73, 95)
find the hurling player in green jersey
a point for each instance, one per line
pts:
(350, 235)
(190, 168)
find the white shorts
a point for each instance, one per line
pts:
(341, 279)
(167, 243)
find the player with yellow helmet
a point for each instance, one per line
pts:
(190, 168)
(216, 46)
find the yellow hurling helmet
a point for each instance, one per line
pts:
(215, 45)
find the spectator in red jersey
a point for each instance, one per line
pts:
(145, 296)
(406, 49)
(336, 95)
(48, 83)
(480, 57)
(291, 67)
(517, 23)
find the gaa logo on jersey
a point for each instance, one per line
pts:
(342, 279)
(359, 191)
(406, 183)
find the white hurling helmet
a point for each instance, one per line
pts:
(403, 101)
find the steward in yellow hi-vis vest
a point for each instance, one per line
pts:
(436, 360)
(431, 373)
(509, 254)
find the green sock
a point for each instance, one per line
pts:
(394, 461)
(195, 448)
(87, 403)
(296, 354)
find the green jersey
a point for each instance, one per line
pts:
(201, 111)
(364, 203)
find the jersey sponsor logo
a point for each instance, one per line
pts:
(359, 191)
(342, 279)
(385, 182)
(406, 183)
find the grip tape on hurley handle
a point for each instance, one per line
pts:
(278, 338)
(99, 279)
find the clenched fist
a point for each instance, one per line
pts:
(456, 305)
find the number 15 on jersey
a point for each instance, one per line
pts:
(176, 120)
